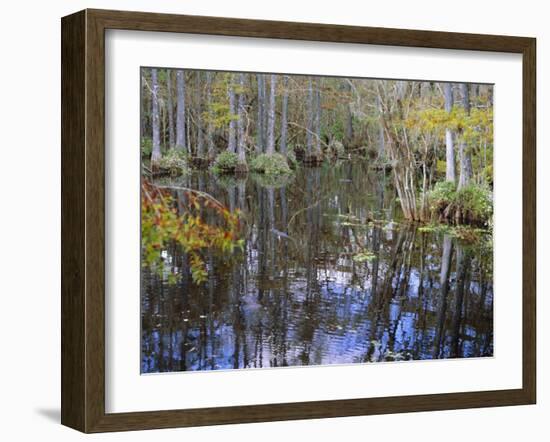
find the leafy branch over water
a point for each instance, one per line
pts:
(198, 223)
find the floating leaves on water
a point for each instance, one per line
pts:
(466, 234)
(349, 224)
(364, 256)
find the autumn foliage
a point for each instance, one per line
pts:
(182, 222)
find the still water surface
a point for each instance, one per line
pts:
(329, 275)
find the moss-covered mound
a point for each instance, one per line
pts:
(473, 204)
(270, 164)
(228, 162)
(173, 162)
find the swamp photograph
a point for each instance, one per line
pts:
(299, 220)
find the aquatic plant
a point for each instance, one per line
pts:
(364, 256)
(228, 162)
(270, 164)
(174, 162)
(473, 204)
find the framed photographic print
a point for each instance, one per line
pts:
(268, 220)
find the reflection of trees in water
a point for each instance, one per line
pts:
(296, 296)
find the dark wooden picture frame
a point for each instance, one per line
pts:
(83, 220)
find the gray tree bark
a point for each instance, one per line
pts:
(381, 140)
(271, 116)
(284, 117)
(348, 114)
(310, 111)
(241, 146)
(170, 104)
(260, 127)
(450, 172)
(198, 105)
(464, 156)
(180, 110)
(145, 97)
(317, 120)
(155, 154)
(231, 145)
(210, 129)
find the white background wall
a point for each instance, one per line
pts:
(30, 216)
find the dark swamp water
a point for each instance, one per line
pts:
(325, 277)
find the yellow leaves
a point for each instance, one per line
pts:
(473, 127)
(199, 225)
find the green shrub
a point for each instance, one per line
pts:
(225, 162)
(274, 164)
(443, 194)
(146, 146)
(174, 161)
(471, 204)
(477, 201)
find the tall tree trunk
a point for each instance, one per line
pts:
(284, 117)
(271, 116)
(145, 97)
(450, 173)
(317, 120)
(188, 130)
(171, 133)
(180, 111)
(231, 145)
(348, 115)
(260, 126)
(464, 156)
(399, 150)
(210, 129)
(309, 110)
(241, 146)
(162, 113)
(381, 140)
(198, 104)
(155, 154)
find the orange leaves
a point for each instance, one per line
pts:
(194, 221)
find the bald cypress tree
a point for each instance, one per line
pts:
(271, 116)
(155, 154)
(464, 155)
(231, 141)
(170, 105)
(180, 110)
(241, 127)
(450, 172)
(284, 117)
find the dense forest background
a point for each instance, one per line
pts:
(302, 220)
(436, 138)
